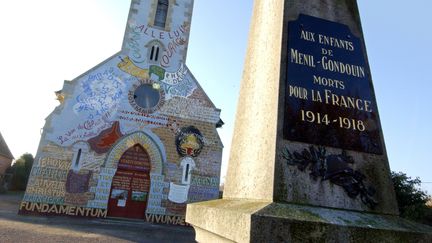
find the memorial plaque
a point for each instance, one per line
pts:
(329, 99)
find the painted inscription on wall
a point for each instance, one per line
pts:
(174, 41)
(47, 181)
(101, 92)
(329, 98)
(102, 189)
(157, 187)
(166, 219)
(88, 134)
(52, 209)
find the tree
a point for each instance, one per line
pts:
(411, 200)
(20, 172)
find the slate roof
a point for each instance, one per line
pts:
(4, 149)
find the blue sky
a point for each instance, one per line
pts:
(398, 40)
(48, 41)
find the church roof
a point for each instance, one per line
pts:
(4, 149)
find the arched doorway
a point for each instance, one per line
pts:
(131, 184)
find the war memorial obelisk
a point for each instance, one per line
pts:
(308, 161)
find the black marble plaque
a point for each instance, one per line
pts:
(328, 97)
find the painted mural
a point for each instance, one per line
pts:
(133, 137)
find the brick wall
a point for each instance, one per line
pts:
(4, 164)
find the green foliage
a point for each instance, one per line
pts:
(411, 200)
(2, 186)
(20, 171)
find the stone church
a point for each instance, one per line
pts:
(135, 136)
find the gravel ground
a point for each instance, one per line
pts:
(16, 228)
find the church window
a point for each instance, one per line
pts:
(157, 53)
(78, 157)
(188, 165)
(161, 13)
(146, 96)
(154, 53)
(79, 149)
(186, 177)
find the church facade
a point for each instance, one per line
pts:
(135, 136)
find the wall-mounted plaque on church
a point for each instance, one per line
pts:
(329, 99)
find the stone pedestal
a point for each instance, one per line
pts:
(291, 179)
(228, 220)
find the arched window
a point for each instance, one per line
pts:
(188, 164)
(78, 158)
(79, 149)
(154, 53)
(161, 13)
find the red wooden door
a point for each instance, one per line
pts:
(131, 185)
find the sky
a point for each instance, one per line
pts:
(45, 42)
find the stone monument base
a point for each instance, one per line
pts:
(228, 220)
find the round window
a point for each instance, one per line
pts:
(146, 96)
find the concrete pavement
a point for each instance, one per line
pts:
(18, 228)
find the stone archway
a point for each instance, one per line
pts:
(130, 186)
(155, 151)
(141, 138)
